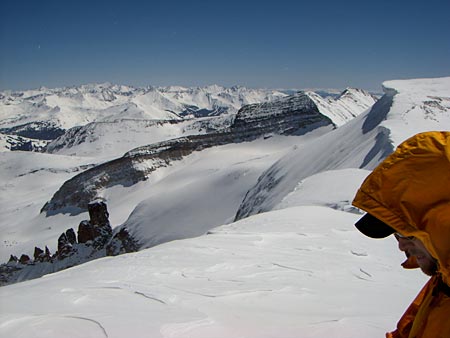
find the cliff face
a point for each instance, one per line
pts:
(294, 115)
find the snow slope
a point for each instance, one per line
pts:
(215, 179)
(203, 191)
(27, 180)
(110, 139)
(407, 108)
(349, 104)
(287, 273)
(418, 105)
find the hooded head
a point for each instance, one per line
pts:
(409, 193)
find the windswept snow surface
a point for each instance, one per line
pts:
(419, 105)
(296, 272)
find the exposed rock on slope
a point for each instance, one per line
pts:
(295, 114)
(95, 240)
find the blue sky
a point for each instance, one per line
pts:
(270, 44)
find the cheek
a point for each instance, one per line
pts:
(404, 244)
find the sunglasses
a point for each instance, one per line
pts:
(400, 236)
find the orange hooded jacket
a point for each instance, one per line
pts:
(410, 191)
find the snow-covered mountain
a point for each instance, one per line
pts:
(267, 275)
(349, 104)
(96, 120)
(45, 114)
(408, 107)
(77, 106)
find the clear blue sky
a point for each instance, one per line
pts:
(271, 44)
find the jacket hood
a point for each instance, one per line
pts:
(410, 192)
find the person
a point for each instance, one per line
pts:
(408, 195)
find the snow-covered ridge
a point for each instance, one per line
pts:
(418, 105)
(407, 108)
(349, 104)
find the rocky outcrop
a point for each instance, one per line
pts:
(122, 242)
(294, 115)
(19, 143)
(41, 255)
(40, 130)
(95, 240)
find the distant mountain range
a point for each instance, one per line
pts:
(32, 119)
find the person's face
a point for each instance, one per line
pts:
(414, 247)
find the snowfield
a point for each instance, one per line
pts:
(297, 272)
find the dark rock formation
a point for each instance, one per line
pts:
(15, 142)
(292, 115)
(41, 255)
(65, 249)
(97, 231)
(71, 237)
(95, 240)
(13, 259)
(121, 243)
(38, 252)
(98, 213)
(36, 130)
(86, 232)
(24, 259)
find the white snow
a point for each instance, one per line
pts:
(351, 103)
(201, 192)
(334, 189)
(419, 105)
(297, 272)
(27, 181)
